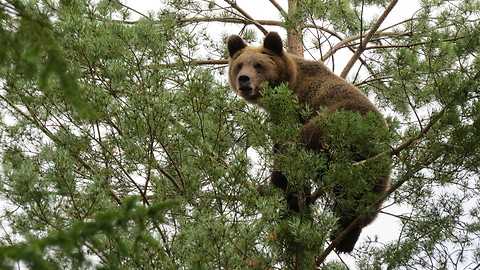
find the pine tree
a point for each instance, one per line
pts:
(122, 146)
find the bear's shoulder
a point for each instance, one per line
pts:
(307, 68)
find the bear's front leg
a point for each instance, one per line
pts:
(310, 135)
(298, 199)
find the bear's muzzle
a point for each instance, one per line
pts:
(244, 84)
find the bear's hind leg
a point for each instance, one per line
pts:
(348, 243)
(297, 201)
(279, 180)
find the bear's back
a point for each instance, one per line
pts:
(317, 86)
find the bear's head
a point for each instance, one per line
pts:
(250, 66)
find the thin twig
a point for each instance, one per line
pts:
(347, 40)
(134, 10)
(277, 6)
(367, 39)
(234, 5)
(94, 250)
(412, 105)
(161, 170)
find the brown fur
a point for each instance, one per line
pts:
(315, 85)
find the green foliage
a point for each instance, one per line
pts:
(283, 114)
(33, 54)
(343, 15)
(130, 219)
(350, 137)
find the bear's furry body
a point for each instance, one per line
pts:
(314, 85)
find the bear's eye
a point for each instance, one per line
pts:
(238, 67)
(258, 66)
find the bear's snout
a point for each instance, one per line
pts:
(244, 83)
(243, 79)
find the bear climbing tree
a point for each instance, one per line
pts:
(328, 96)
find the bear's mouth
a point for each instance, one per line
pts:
(245, 89)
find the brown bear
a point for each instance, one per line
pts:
(316, 86)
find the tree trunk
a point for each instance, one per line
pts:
(294, 34)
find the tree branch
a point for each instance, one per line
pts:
(408, 175)
(408, 143)
(234, 5)
(347, 40)
(395, 151)
(210, 62)
(58, 142)
(367, 39)
(244, 21)
(228, 20)
(410, 45)
(277, 6)
(294, 34)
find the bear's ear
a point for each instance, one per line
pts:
(273, 42)
(235, 44)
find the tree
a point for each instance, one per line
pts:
(123, 148)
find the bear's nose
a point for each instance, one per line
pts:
(243, 79)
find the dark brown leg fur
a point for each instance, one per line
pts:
(297, 201)
(348, 243)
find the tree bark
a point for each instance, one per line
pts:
(294, 34)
